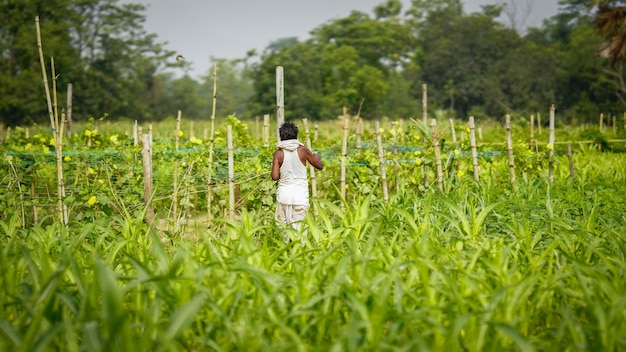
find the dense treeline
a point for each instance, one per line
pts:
(376, 64)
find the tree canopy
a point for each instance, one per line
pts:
(374, 64)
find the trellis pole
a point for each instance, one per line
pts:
(266, 130)
(175, 195)
(311, 167)
(381, 158)
(280, 100)
(509, 146)
(209, 193)
(69, 111)
(425, 120)
(473, 147)
(344, 156)
(54, 124)
(439, 168)
(146, 157)
(231, 173)
(551, 142)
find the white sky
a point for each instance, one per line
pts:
(201, 29)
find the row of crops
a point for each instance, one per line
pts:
(484, 265)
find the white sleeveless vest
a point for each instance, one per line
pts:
(293, 188)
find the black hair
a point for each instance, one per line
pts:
(288, 130)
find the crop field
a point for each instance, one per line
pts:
(537, 263)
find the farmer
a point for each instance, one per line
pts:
(289, 169)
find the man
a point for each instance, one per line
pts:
(289, 169)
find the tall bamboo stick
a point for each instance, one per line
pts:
(69, 111)
(454, 143)
(146, 157)
(266, 130)
(571, 162)
(344, 156)
(473, 147)
(209, 193)
(135, 134)
(280, 99)
(433, 131)
(532, 144)
(601, 122)
(231, 173)
(509, 146)
(311, 167)
(381, 158)
(425, 121)
(551, 142)
(175, 194)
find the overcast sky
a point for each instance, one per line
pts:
(201, 29)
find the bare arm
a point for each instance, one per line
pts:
(313, 158)
(277, 161)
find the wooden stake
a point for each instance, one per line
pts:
(231, 174)
(359, 132)
(601, 123)
(551, 142)
(433, 131)
(266, 130)
(425, 121)
(146, 157)
(135, 134)
(209, 193)
(570, 158)
(473, 146)
(532, 144)
(509, 147)
(381, 158)
(311, 167)
(280, 99)
(69, 111)
(175, 195)
(344, 156)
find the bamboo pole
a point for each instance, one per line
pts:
(280, 100)
(135, 134)
(532, 143)
(344, 155)
(146, 157)
(473, 147)
(266, 130)
(311, 167)
(57, 130)
(209, 193)
(571, 162)
(433, 131)
(69, 111)
(381, 158)
(231, 173)
(359, 132)
(1, 133)
(551, 142)
(601, 122)
(316, 132)
(509, 147)
(45, 76)
(175, 186)
(454, 143)
(425, 121)
(32, 195)
(614, 124)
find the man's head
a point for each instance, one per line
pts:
(288, 130)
